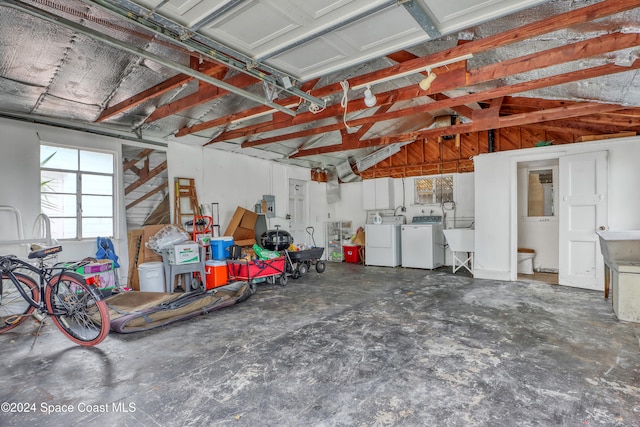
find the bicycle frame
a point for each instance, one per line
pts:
(75, 307)
(11, 263)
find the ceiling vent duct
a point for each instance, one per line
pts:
(443, 122)
(345, 172)
(333, 185)
(378, 156)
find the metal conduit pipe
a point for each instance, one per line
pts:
(139, 52)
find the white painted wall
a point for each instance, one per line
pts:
(227, 178)
(496, 198)
(20, 175)
(234, 180)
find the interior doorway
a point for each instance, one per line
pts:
(538, 220)
(560, 223)
(298, 210)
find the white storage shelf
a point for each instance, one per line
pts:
(336, 233)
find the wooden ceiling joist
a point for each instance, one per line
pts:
(480, 96)
(482, 125)
(556, 56)
(500, 109)
(159, 89)
(206, 93)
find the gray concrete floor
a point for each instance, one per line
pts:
(354, 346)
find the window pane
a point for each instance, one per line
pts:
(444, 189)
(90, 161)
(94, 227)
(59, 204)
(97, 184)
(63, 158)
(58, 182)
(62, 192)
(540, 193)
(424, 190)
(63, 228)
(97, 206)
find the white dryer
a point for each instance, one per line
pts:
(382, 242)
(423, 243)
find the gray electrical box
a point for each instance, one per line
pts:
(271, 205)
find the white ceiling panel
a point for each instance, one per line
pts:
(370, 37)
(318, 54)
(259, 28)
(451, 16)
(392, 26)
(185, 12)
(319, 8)
(251, 26)
(307, 39)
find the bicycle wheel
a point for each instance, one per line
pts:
(14, 309)
(77, 309)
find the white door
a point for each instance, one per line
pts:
(297, 203)
(583, 210)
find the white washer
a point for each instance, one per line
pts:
(382, 242)
(423, 243)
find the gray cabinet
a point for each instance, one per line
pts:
(336, 233)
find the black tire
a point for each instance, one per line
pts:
(283, 280)
(302, 269)
(320, 266)
(14, 309)
(77, 309)
(296, 274)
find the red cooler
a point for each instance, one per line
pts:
(352, 254)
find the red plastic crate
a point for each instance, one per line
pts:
(351, 254)
(247, 270)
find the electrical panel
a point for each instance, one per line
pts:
(270, 202)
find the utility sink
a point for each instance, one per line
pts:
(619, 247)
(460, 239)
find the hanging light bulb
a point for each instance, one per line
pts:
(369, 97)
(425, 84)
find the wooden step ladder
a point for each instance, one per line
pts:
(186, 205)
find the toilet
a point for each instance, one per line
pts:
(525, 260)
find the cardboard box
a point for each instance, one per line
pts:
(359, 238)
(184, 253)
(134, 239)
(242, 227)
(148, 231)
(139, 253)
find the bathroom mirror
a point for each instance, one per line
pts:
(540, 193)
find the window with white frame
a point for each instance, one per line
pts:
(433, 190)
(77, 191)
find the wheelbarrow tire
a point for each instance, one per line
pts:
(283, 280)
(320, 266)
(302, 269)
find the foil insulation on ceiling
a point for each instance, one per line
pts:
(51, 71)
